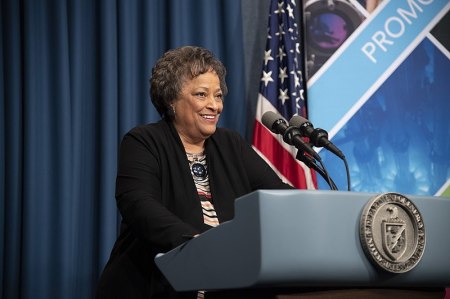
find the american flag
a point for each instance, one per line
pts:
(282, 91)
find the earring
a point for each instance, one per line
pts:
(173, 109)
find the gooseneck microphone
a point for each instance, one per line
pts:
(318, 137)
(291, 135)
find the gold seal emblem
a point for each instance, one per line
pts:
(392, 232)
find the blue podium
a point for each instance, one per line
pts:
(294, 238)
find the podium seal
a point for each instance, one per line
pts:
(392, 232)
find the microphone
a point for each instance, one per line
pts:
(291, 135)
(318, 137)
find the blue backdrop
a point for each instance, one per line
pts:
(73, 79)
(399, 139)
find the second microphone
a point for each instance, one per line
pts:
(291, 134)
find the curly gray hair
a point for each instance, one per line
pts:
(174, 68)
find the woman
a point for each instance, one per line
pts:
(177, 177)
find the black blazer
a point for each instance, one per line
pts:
(158, 201)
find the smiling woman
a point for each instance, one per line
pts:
(178, 177)
(197, 110)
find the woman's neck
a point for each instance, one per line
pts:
(193, 147)
(194, 150)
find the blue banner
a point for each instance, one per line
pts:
(384, 98)
(379, 42)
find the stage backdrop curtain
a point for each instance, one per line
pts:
(73, 79)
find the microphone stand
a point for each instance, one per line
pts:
(310, 162)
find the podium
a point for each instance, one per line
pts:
(294, 238)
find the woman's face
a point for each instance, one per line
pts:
(198, 107)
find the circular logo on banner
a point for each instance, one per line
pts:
(392, 232)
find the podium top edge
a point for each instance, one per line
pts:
(288, 192)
